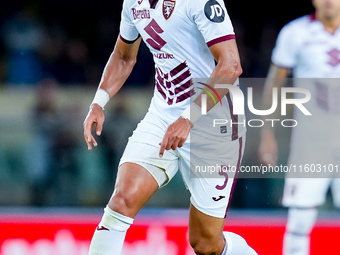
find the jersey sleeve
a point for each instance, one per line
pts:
(285, 51)
(128, 31)
(212, 20)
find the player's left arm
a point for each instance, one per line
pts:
(227, 70)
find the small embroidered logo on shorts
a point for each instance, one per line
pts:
(218, 198)
(223, 129)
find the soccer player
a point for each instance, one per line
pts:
(185, 39)
(310, 47)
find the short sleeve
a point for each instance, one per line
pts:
(128, 31)
(286, 48)
(212, 20)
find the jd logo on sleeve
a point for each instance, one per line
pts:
(214, 12)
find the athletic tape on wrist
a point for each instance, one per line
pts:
(192, 113)
(101, 98)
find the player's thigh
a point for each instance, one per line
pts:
(134, 187)
(143, 149)
(207, 176)
(303, 189)
(305, 192)
(141, 171)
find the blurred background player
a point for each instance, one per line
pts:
(158, 147)
(310, 47)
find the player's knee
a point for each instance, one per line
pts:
(205, 245)
(123, 203)
(301, 221)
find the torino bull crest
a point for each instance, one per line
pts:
(168, 8)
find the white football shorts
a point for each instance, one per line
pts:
(199, 161)
(306, 190)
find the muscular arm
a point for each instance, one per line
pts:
(227, 70)
(119, 66)
(268, 146)
(116, 71)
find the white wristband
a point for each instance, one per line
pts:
(101, 98)
(192, 113)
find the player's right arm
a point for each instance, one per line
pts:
(284, 59)
(268, 145)
(116, 71)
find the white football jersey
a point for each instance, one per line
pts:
(178, 34)
(314, 55)
(305, 46)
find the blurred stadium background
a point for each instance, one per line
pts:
(52, 190)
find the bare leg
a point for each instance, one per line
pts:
(298, 228)
(205, 233)
(134, 186)
(206, 236)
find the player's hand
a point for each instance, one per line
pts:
(268, 148)
(94, 117)
(176, 135)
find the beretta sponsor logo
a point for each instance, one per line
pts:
(140, 14)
